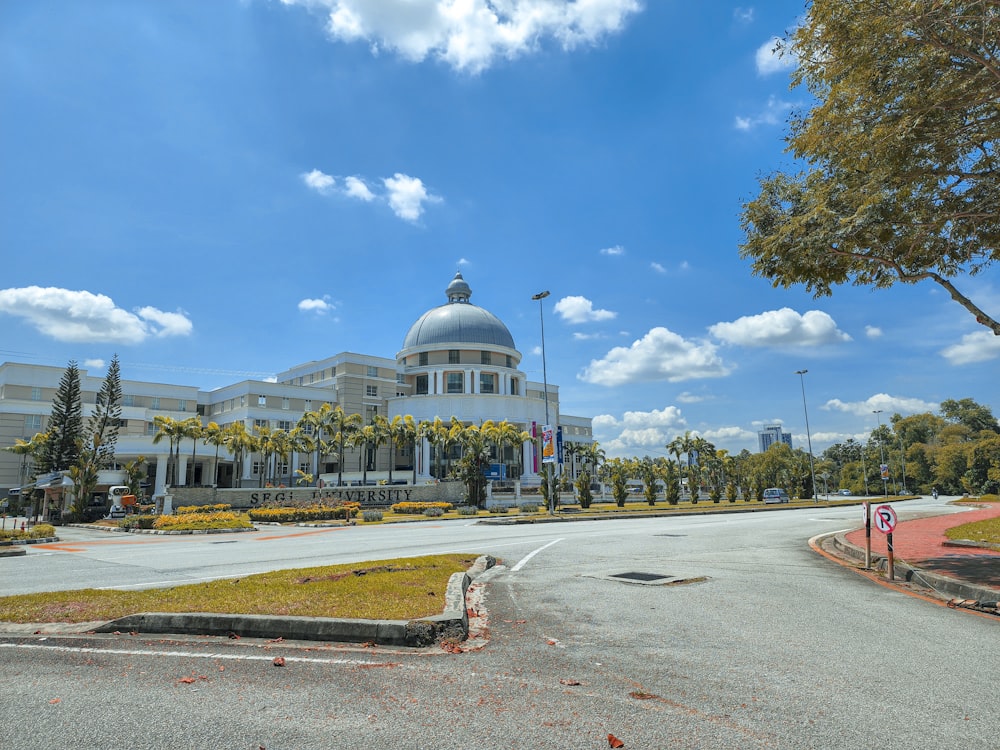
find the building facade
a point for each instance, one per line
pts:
(773, 435)
(457, 360)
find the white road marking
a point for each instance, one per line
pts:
(524, 560)
(191, 654)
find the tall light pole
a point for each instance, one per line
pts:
(812, 469)
(881, 452)
(545, 384)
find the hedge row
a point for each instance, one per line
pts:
(310, 513)
(418, 508)
(217, 508)
(196, 521)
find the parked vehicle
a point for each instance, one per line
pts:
(775, 495)
(845, 493)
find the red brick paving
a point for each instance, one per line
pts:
(920, 542)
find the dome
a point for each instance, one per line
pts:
(458, 322)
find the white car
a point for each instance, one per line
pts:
(775, 495)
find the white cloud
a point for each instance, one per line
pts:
(356, 188)
(83, 317)
(773, 114)
(743, 15)
(616, 250)
(638, 432)
(658, 267)
(659, 355)
(979, 346)
(577, 309)
(464, 261)
(318, 181)
(770, 60)
(783, 327)
(318, 306)
(471, 35)
(577, 336)
(94, 364)
(889, 405)
(689, 398)
(407, 196)
(873, 332)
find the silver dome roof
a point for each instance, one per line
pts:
(458, 322)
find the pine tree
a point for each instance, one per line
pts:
(65, 426)
(102, 428)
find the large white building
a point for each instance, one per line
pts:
(457, 360)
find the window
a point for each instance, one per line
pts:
(423, 358)
(400, 378)
(371, 390)
(262, 401)
(513, 387)
(456, 382)
(372, 371)
(484, 358)
(128, 400)
(150, 428)
(370, 412)
(307, 429)
(258, 467)
(243, 400)
(284, 403)
(284, 424)
(308, 406)
(36, 394)
(304, 468)
(182, 405)
(258, 423)
(33, 422)
(487, 382)
(154, 402)
(421, 385)
(510, 362)
(454, 357)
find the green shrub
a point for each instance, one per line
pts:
(528, 507)
(467, 510)
(499, 509)
(433, 512)
(371, 516)
(137, 522)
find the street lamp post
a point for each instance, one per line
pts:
(881, 452)
(812, 469)
(545, 385)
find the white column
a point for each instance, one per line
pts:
(425, 456)
(526, 450)
(182, 464)
(160, 481)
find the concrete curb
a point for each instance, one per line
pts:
(910, 573)
(452, 623)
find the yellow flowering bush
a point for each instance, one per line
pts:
(197, 521)
(309, 513)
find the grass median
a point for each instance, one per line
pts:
(380, 590)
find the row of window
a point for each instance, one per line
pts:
(455, 383)
(455, 358)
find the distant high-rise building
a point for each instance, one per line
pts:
(771, 435)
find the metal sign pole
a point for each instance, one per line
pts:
(868, 535)
(888, 542)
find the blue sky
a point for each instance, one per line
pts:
(222, 190)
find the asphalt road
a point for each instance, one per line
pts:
(760, 644)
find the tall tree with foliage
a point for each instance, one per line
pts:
(102, 427)
(900, 183)
(65, 427)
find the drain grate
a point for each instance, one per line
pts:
(646, 577)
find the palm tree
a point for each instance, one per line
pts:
(402, 431)
(475, 444)
(508, 435)
(315, 426)
(191, 428)
(342, 427)
(214, 435)
(437, 433)
(282, 445)
(240, 442)
(265, 447)
(30, 452)
(173, 431)
(375, 436)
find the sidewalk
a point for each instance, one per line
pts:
(925, 555)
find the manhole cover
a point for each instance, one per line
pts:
(645, 577)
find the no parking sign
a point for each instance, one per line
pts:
(885, 519)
